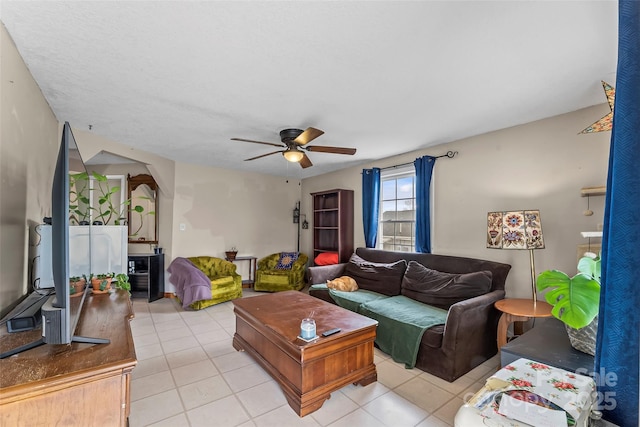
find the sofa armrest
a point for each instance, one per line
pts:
(321, 273)
(468, 319)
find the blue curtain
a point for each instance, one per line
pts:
(617, 350)
(424, 169)
(370, 205)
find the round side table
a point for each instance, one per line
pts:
(518, 310)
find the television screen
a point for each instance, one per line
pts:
(58, 320)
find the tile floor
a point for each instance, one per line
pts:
(189, 374)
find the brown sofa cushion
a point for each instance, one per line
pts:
(443, 289)
(377, 277)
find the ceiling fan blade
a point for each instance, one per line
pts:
(305, 162)
(308, 135)
(264, 155)
(256, 142)
(335, 150)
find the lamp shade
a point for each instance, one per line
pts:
(293, 156)
(514, 230)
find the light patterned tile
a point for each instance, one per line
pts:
(213, 336)
(434, 421)
(138, 331)
(141, 320)
(231, 361)
(151, 384)
(203, 392)
(204, 327)
(179, 344)
(468, 393)
(222, 412)
(284, 416)
(219, 348)
(423, 394)
(148, 351)
(155, 408)
(334, 408)
(262, 398)
(173, 334)
(194, 372)
(481, 372)
(448, 412)
(359, 417)
(166, 320)
(186, 357)
(363, 395)
(393, 410)
(454, 387)
(246, 377)
(179, 420)
(150, 366)
(146, 339)
(392, 375)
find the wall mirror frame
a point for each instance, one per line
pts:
(142, 191)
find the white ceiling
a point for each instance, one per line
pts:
(181, 78)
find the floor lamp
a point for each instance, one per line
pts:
(516, 230)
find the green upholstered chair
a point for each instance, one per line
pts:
(226, 284)
(272, 279)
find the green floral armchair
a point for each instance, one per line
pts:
(269, 278)
(226, 284)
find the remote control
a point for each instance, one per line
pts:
(330, 332)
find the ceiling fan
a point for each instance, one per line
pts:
(294, 141)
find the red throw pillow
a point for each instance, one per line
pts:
(327, 258)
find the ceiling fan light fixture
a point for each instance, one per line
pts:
(294, 156)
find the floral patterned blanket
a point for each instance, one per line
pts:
(536, 383)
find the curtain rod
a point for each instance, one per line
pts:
(449, 154)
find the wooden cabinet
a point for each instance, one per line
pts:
(333, 223)
(146, 275)
(72, 385)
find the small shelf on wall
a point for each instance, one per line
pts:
(588, 234)
(593, 191)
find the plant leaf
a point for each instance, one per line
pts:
(575, 300)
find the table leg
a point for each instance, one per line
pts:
(503, 326)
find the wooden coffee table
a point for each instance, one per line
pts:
(267, 328)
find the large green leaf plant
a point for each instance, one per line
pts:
(576, 299)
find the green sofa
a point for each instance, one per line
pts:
(226, 284)
(271, 279)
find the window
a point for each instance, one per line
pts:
(397, 221)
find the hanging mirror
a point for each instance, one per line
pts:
(143, 210)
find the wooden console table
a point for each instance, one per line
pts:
(249, 281)
(518, 310)
(76, 384)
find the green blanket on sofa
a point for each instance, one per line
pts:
(401, 321)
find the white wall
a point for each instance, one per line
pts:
(29, 141)
(222, 208)
(540, 165)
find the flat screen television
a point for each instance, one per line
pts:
(59, 321)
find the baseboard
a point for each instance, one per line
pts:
(169, 295)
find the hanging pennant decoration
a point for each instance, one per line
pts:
(606, 123)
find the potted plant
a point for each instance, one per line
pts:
(79, 203)
(76, 285)
(107, 208)
(575, 301)
(231, 255)
(101, 282)
(122, 282)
